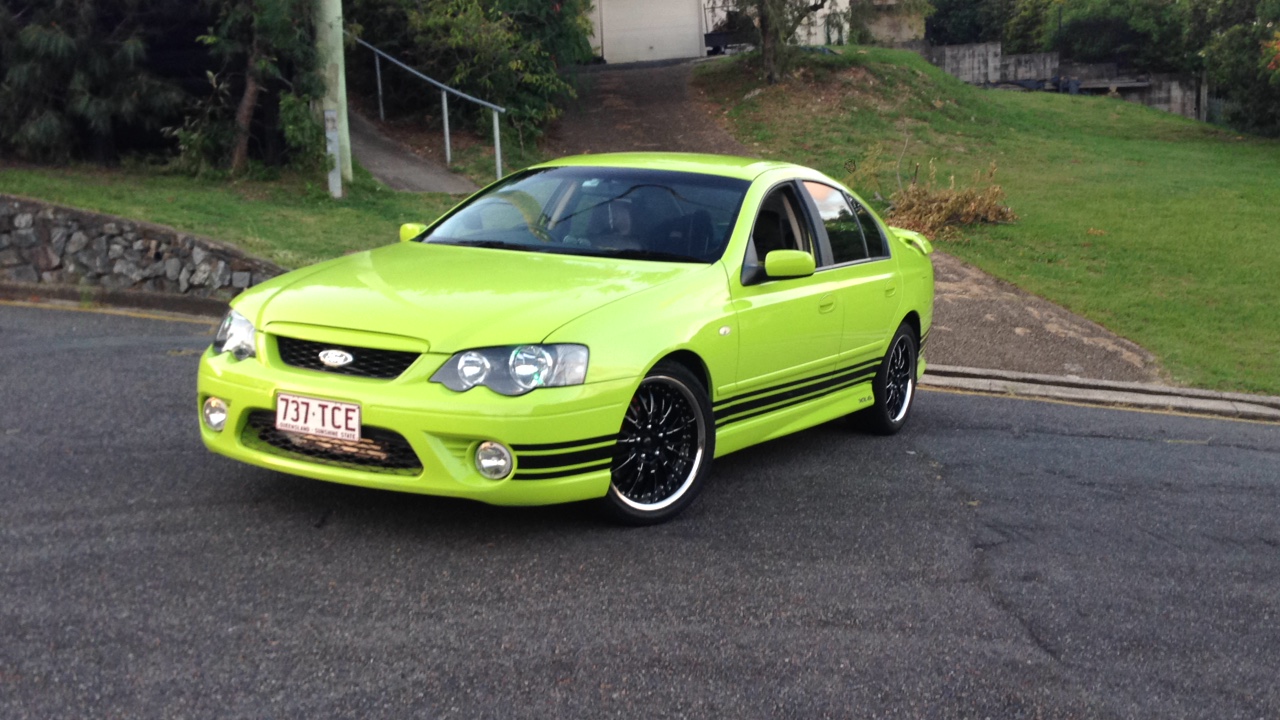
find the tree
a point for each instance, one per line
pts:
(75, 78)
(272, 41)
(777, 22)
(1233, 36)
(1146, 35)
(508, 52)
(860, 15)
(562, 29)
(961, 22)
(1028, 27)
(1271, 53)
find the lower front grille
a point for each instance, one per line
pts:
(378, 448)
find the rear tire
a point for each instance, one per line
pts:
(665, 447)
(894, 385)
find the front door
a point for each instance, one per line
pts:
(789, 328)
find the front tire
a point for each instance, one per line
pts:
(894, 385)
(665, 447)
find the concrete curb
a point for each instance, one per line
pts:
(1049, 387)
(1105, 392)
(93, 295)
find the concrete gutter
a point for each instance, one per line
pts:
(1105, 392)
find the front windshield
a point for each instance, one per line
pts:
(622, 212)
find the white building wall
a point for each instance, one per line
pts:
(640, 30)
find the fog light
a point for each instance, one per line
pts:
(493, 460)
(215, 414)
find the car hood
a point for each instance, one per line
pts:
(451, 298)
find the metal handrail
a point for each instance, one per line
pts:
(445, 91)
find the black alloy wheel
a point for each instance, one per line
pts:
(665, 447)
(894, 385)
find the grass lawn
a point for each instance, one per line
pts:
(1165, 230)
(291, 221)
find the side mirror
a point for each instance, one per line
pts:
(788, 264)
(409, 231)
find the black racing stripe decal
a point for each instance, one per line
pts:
(743, 403)
(785, 386)
(558, 460)
(564, 445)
(554, 474)
(799, 401)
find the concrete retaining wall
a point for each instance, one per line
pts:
(1032, 66)
(1171, 93)
(50, 244)
(984, 64)
(977, 64)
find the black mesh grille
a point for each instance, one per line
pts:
(383, 364)
(378, 448)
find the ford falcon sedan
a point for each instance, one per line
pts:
(594, 328)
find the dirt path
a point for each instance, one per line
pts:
(641, 107)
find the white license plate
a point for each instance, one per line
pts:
(312, 416)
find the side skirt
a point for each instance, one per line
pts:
(733, 436)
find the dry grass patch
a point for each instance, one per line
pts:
(940, 212)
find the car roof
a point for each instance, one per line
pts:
(723, 165)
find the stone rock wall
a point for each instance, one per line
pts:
(51, 244)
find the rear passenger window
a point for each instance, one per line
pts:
(876, 245)
(844, 227)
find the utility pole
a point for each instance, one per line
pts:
(329, 42)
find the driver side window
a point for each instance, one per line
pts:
(780, 225)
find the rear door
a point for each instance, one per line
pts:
(855, 257)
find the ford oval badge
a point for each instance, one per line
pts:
(335, 358)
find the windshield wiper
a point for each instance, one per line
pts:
(651, 255)
(491, 245)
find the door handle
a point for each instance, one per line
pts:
(891, 289)
(827, 304)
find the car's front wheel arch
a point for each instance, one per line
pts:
(692, 362)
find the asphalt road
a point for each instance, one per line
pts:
(999, 558)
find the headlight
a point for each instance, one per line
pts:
(235, 335)
(515, 370)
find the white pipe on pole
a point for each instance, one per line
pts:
(444, 107)
(329, 34)
(377, 69)
(497, 143)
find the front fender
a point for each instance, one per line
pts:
(626, 338)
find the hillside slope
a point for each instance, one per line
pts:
(1158, 227)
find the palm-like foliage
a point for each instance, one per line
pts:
(74, 77)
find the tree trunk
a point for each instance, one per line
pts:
(779, 20)
(244, 113)
(769, 45)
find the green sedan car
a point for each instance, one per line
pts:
(594, 328)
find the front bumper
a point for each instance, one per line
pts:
(562, 438)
